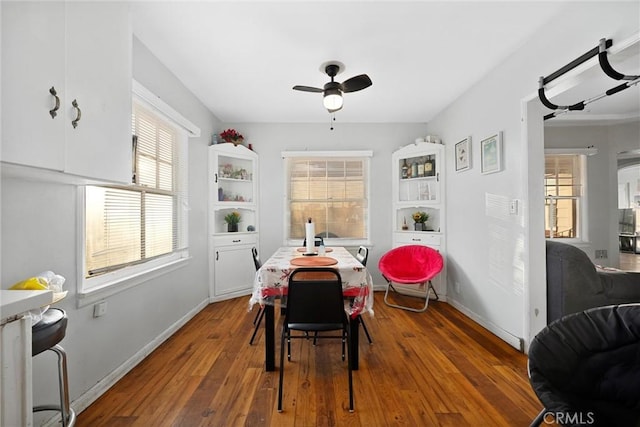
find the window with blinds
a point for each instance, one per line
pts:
(333, 191)
(563, 186)
(130, 225)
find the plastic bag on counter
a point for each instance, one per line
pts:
(47, 280)
(54, 281)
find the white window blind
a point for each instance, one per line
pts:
(333, 191)
(130, 225)
(564, 189)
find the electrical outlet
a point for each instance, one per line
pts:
(601, 253)
(100, 309)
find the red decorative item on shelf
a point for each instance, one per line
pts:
(231, 135)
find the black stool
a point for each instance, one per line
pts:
(45, 335)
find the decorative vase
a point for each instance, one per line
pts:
(419, 226)
(232, 228)
(238, 141)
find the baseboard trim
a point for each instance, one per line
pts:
(509, 338)
(91, 395)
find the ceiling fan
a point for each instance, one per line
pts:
(333, 90)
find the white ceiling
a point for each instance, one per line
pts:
(242, 58)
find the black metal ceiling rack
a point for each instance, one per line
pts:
(601, 51)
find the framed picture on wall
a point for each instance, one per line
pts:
(491, 153)
(463, 154)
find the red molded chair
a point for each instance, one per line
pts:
(411, 265)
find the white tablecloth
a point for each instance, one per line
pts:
(271, 279)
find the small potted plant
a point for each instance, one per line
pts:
(232, 135)
(232, 219)
(420, 219)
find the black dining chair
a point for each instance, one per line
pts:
(317, 241)
(315, 304)
(260, 314)
(362, 255)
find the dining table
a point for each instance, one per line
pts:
(271, 282)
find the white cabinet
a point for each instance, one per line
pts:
(233, 187)
(418, 186)
(232, 263)
(55, 53)
(99, 71)
(33, 62)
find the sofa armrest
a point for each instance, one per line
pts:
(571, 268)
(620, 286)
(572, 281)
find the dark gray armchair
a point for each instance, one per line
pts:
(574, 284)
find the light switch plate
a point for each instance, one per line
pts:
(513, 207)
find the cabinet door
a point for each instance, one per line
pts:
(99, 41)
(233, 172)
(420, 190)
(421, 184)
(33, 61)
(233, 270)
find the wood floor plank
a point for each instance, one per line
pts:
(436, 368)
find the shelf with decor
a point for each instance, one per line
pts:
(418, 200)
(247, 219)
(233, 219)
(417, 177)
(232, 186)
(405, 221)
(417, 186)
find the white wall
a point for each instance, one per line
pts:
(269, 140)
(492, 271)
(39, 229)
(601, 177)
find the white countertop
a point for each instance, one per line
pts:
(13, 302)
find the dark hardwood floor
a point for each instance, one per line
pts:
(436, 368)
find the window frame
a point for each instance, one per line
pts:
(365, 155)
(91, 290)
(582, 199)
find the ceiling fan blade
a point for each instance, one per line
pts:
(356, 83)
(308, 89)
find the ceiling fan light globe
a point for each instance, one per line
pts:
(332, 100)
